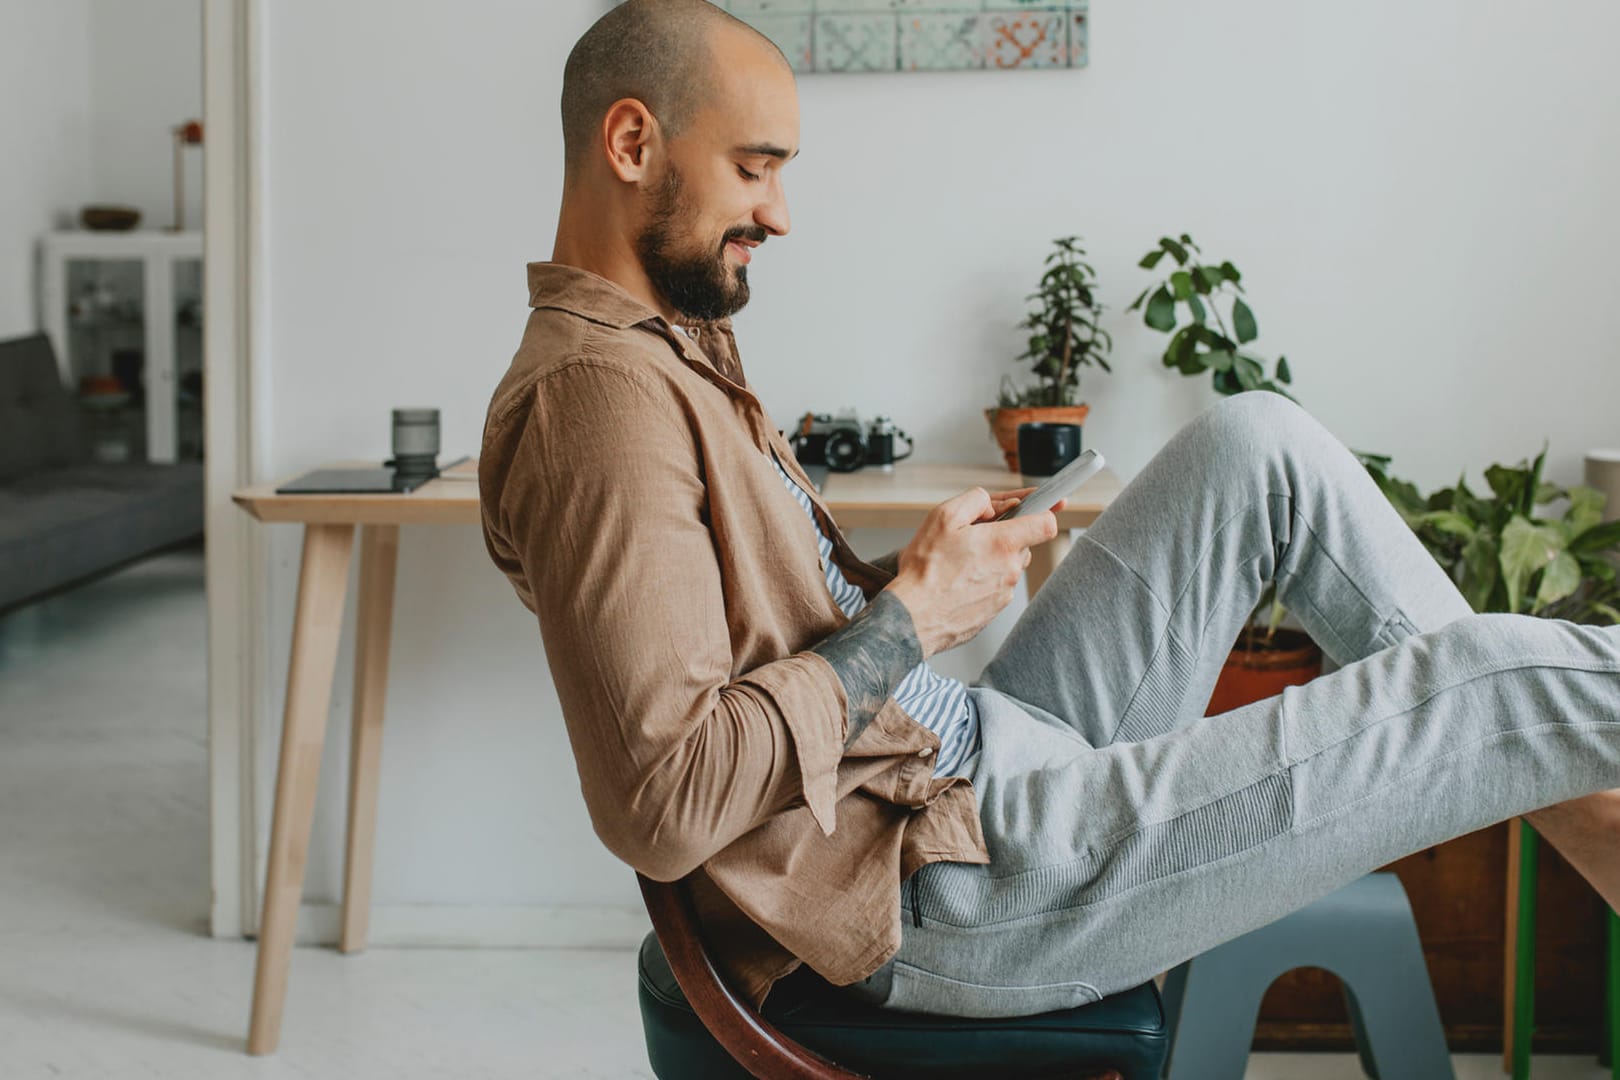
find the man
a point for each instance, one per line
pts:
(750, 703)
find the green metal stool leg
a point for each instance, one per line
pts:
(1524, 965)
(1611, 1003)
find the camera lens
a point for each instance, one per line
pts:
(845, 451)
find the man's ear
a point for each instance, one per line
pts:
(629, 130)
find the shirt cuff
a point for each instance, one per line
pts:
(809, 697)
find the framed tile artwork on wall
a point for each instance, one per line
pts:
(921, 35)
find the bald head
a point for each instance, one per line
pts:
(659, 52)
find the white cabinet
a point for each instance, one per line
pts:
(155, 257)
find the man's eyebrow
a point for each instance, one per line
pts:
(766, 150)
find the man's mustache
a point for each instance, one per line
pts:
(745, 232)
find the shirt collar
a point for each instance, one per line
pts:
(591, 296)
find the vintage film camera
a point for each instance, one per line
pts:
(843, 445)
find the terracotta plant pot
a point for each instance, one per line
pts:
(1004, 424)
(1252, 674)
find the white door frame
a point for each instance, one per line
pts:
(234, 450)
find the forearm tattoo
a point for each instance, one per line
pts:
(889, 562)
(871, 654)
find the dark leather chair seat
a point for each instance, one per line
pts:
(1125, 1032)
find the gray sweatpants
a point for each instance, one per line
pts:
(1128, 832)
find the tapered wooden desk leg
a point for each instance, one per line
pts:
(1043, 559)
(317, 627)
(379, 552)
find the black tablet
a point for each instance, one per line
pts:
(351, 482)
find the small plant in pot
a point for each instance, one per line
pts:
(1201, 305)
(1063, 336)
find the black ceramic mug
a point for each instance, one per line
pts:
(1043, 449)
(416, 443)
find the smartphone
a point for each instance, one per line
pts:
(1057, 486)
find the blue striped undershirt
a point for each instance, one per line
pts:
(938, 703)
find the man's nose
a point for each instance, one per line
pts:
(772, 215)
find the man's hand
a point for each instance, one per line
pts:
(962, 566)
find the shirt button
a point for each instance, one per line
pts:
(926, 751)
(823, 561)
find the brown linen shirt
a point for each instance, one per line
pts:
(627, 494)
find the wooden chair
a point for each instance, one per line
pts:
(698, 1028)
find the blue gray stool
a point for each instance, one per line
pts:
(1365, 934)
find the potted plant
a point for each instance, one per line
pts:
(1063, 336)
(1197, 346)
(1201, 306)
(1504, 555)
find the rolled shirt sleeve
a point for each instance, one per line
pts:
(604, 504)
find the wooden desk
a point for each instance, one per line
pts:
(865, 499)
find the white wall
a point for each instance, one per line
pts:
(88, 92)
(1421, 198)
(45, 123)
(147, 78)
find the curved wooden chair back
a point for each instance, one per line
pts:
(736, 1025)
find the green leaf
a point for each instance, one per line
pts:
(1526, 548)
(1182, 351)
(1197, 307)
(1249, 372)
(1230, 272)
(1466, 502)
(1175, 249)
(1161, 311)
(1586, 506)
(1181, 284)
(1283, 374)
(1449, 522)
(1243, 322)
(1508, 484)
(1140, 297)
(1597, 538)
(1479, 570)
(1151, 259)
(1562, 577)
(1532, 482)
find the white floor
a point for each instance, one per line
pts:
(106, 967)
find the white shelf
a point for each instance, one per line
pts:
(157, 252)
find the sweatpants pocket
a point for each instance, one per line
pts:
(916, 989)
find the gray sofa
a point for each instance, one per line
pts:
(64, 517)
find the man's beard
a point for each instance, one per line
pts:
(700, 286)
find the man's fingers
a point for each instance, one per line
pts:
(966, 508)
(1029, 529)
